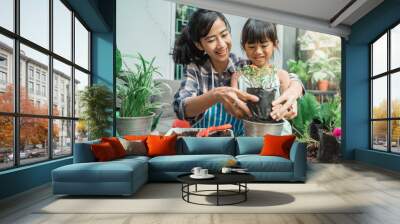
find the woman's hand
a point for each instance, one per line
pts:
(234, 101)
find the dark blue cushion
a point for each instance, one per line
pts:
(249, 145)
(185, 163)
(257, 163)
(207, 145)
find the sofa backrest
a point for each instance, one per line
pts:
(83, 153)
(249, 145)
(209, 145)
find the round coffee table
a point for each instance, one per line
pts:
(238, 179)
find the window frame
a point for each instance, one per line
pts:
(15, 72)
(388, 74)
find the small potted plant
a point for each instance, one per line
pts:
(261, 82)
(136, 91)
(323, 69)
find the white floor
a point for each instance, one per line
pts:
(378, 189)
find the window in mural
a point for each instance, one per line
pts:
(385, 97)
(35, 117)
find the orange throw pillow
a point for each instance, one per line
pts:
(116, 145)
(135, 137)
(103, 151)
(161, 145)
(277, 145)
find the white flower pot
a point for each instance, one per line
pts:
(134, 125)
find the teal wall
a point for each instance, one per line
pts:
(99, 16)
(356, 85)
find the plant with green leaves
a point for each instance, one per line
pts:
(330, 114)
(300, 68)
(136, 87)
(308, 109)
(323, 67)
(256, 77)
(97, 103)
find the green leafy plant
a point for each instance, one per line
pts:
(136, 87)
(300, 68)
(323, 67)
(97, 102)
(308, 109)
(330, 114)
(256, 77)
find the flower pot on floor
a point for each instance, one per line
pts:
(135, 125)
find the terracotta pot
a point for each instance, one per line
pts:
(323, 85)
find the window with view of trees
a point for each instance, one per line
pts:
(385, 95)
(42, 55)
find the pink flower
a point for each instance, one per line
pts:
(337, 132)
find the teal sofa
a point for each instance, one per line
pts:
(125, 176)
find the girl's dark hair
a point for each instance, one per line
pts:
(256, 31)
(200, 23)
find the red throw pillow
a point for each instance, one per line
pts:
(116, 145)
(161, 145)
(277, 145)
(103, 151)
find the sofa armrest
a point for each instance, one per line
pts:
(83, 152)
(298, 157)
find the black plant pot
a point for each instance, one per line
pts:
(261, 110)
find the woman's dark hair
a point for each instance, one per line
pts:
(256, 31)
(200, 23)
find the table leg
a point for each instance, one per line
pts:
(245, 193)
(217, 194)
(196, 188)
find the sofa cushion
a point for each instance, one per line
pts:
(83, 152)
(161, 145)
(112, 171)
(277, 145)
(103, 152)
(249, 145)
(257, 163)
(185, 163)
(116, 145)
(134, 147)
(207, 145)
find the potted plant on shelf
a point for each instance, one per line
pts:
(260, 82)
(136, 89)
(97, 103)
(323, 69)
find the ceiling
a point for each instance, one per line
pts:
(327, 16)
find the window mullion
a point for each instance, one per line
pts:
(50, 81)
(16, 83)
(73, 81)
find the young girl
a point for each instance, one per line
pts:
(259, 41)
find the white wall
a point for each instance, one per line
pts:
(147, 27)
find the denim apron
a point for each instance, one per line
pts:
(217, 115)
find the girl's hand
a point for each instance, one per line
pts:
(234, 101)
(285, 106)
